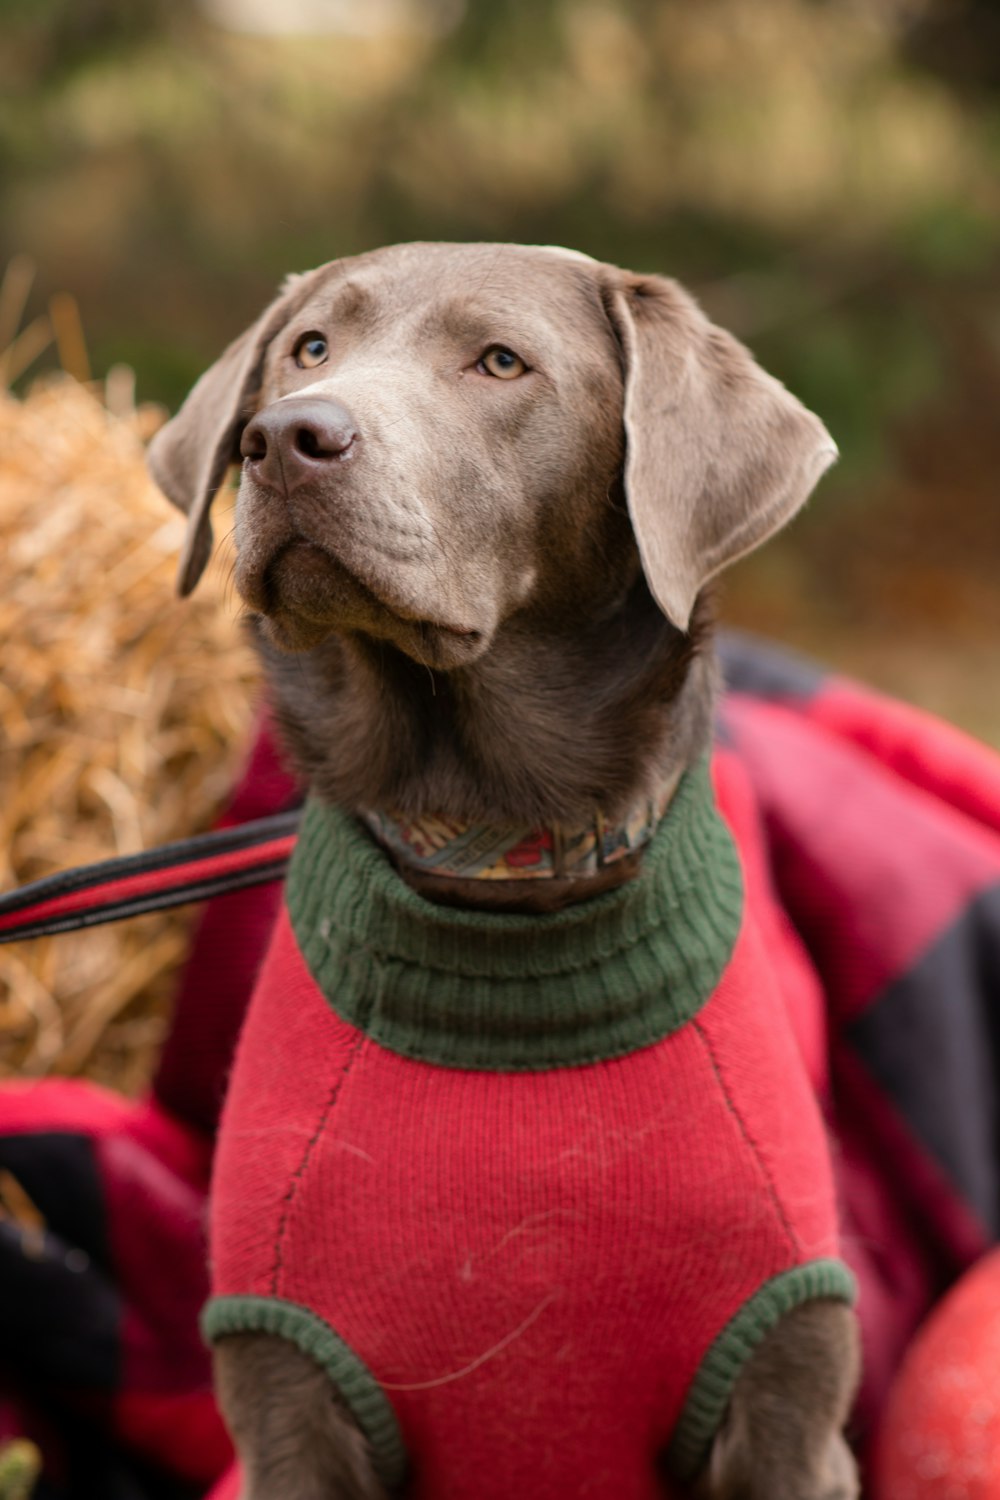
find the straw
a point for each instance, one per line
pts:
(123, 710)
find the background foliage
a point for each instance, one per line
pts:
(824, 174)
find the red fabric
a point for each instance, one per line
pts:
(793, 972)
(145, 1264)
(845, 855)
(547, 1254)
(226, 952)
(915, 746)
(228, 1487)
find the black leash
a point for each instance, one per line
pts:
(194, 869)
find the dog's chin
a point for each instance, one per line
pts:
(305, 595)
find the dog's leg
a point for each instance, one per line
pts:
(295, 1439)
(782, 1435)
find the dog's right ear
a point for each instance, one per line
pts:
(189, 457)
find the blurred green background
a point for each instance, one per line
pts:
(825, 175)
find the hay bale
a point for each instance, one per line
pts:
(123, 714)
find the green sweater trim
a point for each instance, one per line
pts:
(361, 1392)
(504, 993)
(708, 1397)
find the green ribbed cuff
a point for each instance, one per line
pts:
(361, 1392)
(708, 1397)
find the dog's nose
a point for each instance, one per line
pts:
(291, 442)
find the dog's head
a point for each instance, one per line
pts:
(435, 436)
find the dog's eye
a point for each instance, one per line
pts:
(311, 350)
(501, 362)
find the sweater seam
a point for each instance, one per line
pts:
(791, 1236)
(298, 1176)
(538, 1062)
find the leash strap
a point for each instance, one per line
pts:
(210, 864)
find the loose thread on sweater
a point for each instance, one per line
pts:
(429, 1385)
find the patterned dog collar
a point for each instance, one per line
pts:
(519, 852)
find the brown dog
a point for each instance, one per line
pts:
(484, 487)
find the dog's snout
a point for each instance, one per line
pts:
(290, 442)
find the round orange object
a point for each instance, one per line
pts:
(940, 1437)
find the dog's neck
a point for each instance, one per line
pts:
(552, 726)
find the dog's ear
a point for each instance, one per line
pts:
(189, 457)
(718, 454)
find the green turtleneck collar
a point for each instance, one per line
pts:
(485, 990)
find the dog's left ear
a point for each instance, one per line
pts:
(718, 454)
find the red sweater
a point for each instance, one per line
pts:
(529, 1188)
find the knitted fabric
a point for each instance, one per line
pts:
(530, 1189)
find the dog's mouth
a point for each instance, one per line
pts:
(305, 595)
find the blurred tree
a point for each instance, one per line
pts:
(46, 41)
(824, 173)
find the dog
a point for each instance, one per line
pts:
(484, 491)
